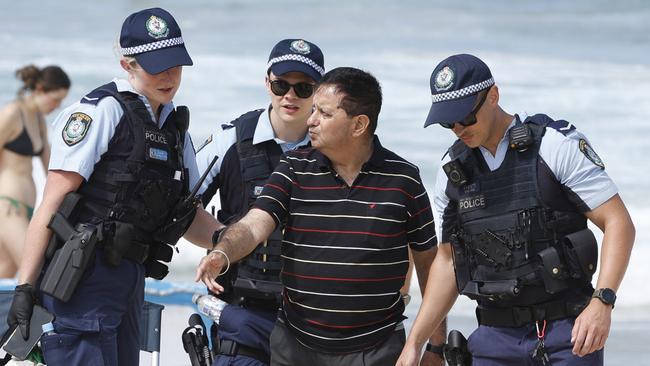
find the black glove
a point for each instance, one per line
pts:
(22, 305)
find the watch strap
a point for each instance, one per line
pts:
(437, 349)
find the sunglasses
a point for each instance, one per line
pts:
(281, 87)
(471, 117)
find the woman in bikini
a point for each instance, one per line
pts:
(23, 135)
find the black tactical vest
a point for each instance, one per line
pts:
(255, 277)
(139, 179)
(510, 245)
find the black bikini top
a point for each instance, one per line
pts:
(22, 144)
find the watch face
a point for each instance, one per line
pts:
(608, 295)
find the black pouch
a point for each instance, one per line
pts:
(581, 252)
(461, 262)
(552, 270)
(126, 242)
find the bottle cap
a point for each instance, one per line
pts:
(195, 297)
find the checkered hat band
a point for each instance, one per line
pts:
(299, 58)
(171, 42)
(468, 90)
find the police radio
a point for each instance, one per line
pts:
(520, 137)
(455, 173)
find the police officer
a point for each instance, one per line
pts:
(121, 168)
(513, 196)
(249, 148)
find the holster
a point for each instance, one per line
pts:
(71, 260)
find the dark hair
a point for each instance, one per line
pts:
(48, 78)
(361, 92)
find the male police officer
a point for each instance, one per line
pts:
(249, 149)
(513, 196)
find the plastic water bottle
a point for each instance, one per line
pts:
(209, 306)
(48, 328)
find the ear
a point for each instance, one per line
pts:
(125, 65)
(360, 125)
(493, 95)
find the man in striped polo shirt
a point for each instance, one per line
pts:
(352, 209)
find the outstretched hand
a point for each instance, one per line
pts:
(209, 269)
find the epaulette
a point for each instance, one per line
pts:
(99, 93)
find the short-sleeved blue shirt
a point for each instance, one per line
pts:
(82, 156)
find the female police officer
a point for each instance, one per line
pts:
(125, 151)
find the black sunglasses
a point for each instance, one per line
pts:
(281, 87)
(471, 117)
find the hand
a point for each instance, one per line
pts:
(22, 305)
(410, 356)
(209, 269)
(591, 328)
(432, 359)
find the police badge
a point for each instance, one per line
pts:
(300, 46)
(76, 128)
(444, 79)
(156, 27)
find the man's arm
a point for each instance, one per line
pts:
(422, 261)
(591, 328)
(438, 299)
(236, 242)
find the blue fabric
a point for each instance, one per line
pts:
(248, 327)
(100, 324)
(495, 346)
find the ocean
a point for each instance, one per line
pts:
(585, 61)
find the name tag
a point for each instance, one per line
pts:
(158, 154)
(471, 203)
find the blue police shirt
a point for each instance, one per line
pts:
(82, 156)
(227, 137)
(563, 150)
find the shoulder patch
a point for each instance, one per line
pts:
(76, 128)
(591, 154)
(562, 126)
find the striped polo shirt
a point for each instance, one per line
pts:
(345, 248)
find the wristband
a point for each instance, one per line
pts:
(437, 349)
(227, 260)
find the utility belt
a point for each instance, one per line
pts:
(231, 348)
(517, 316)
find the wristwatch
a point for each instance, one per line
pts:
(437, 349)
(606, 295)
